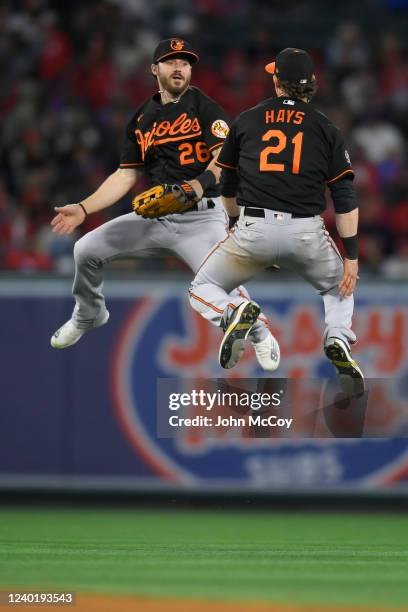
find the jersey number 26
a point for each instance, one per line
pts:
(266, 166)
(190, 153)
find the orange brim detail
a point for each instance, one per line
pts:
(270, 68)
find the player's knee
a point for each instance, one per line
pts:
(82, 252)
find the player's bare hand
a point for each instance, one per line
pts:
(350, 277)
(67, 218)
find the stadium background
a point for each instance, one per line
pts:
(76, 426)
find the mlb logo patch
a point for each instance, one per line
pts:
(289, 102)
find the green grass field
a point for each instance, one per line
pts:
(294, 558)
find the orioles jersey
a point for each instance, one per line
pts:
(173, 142)
(285, 153)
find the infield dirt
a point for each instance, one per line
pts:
(115, 603)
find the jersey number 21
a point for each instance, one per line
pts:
(267, 166)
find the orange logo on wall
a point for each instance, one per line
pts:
(177, 44)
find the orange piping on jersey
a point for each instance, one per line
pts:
(210, 305)
(218, 163)
(206, 303)
(176, 138)
(131, 165)
(339, 175)
(216, 146)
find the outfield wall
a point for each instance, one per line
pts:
(85, 418)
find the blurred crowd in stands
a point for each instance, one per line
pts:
(72, 73)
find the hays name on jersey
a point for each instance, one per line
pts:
(284, 115)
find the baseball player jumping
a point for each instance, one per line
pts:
(174, 137)
(277, 160)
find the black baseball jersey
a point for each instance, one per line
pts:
(173, 142)
(285, 152)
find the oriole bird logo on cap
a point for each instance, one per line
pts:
(177, 45)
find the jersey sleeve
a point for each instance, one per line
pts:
(229, 155)
(215, 124)
(131, 154)
(340, 164)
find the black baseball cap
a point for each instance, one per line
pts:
(293, 65)
(174, 47)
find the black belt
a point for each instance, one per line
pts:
(260, 212)
(210, 204)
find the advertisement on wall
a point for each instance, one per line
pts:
(91, 413)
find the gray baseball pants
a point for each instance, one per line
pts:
(190, 236)
(301, 245)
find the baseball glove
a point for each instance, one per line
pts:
(164, 200)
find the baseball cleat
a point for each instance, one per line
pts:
(233, 343)
(349, 372)
(69, 333)
(268, 353)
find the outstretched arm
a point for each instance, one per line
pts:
(110, 191)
